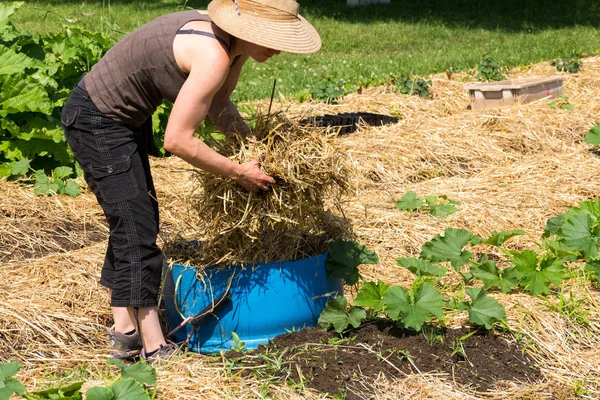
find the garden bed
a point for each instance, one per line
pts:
(329, 363)
(510, 168)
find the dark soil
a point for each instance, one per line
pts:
(331, 364)
(349, 122)
(180, 249)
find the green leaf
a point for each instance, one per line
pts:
(129, 389)
(577, 233)
(593, 135)
(553, 225)
(449, 248)
(560, 250)
(8, 384)
(429, 298)
(42, 127)
(441, 206)
(356, 315)
(431, 200)
(71, 392)
(12, 62)
(9, 151)
(141, 372)
(409, 202)
(525, 259)
(498, 238)
(416, 307)
(117, 362)
(5, 169)
(492, 276)
(486, 271)
(99, 393)
(591, 206)
(510, 278)
(396, 299)
(42, 183)
(54, 187)
(343, 260)
(60, 184)
(21, 167)
(8, 9)
(17, 149)
(72, 389)
(483, 309)
(421, 267)
(62, 172)
(72, 188)
(594, 268)
(457, 301)
(20, 94)
(553, 270)
(11, 386)
(10, 369)
(442, 210)
(371, 295)
(335, 315)
(536, 275)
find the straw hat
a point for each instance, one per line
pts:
(275, 24)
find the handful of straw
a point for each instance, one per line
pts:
(288, 222)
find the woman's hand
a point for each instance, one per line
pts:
(251, 177)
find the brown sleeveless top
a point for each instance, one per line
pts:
(139, 72)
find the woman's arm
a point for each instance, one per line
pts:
(223, 113)
(208, 73)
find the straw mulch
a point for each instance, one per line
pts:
(292, 220)
(511, 168)
(31, 226)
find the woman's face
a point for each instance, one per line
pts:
(260, 53)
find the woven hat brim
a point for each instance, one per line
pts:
(293, 36)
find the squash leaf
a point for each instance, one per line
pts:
(371, 295)
(449, 247)
(416, 307)
(343, 260)
(421, 267)
(335, 315)
(483, 309)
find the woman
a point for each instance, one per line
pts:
(192, 59)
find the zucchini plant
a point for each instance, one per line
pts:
(134, 383)
(571, 237)
(438, 206)
(414, 307)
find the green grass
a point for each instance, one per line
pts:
(404, 37)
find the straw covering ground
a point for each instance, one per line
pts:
(290, 222)
(510, 168)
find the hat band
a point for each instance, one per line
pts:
(289, 6)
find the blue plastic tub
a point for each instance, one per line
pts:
(262, 302)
